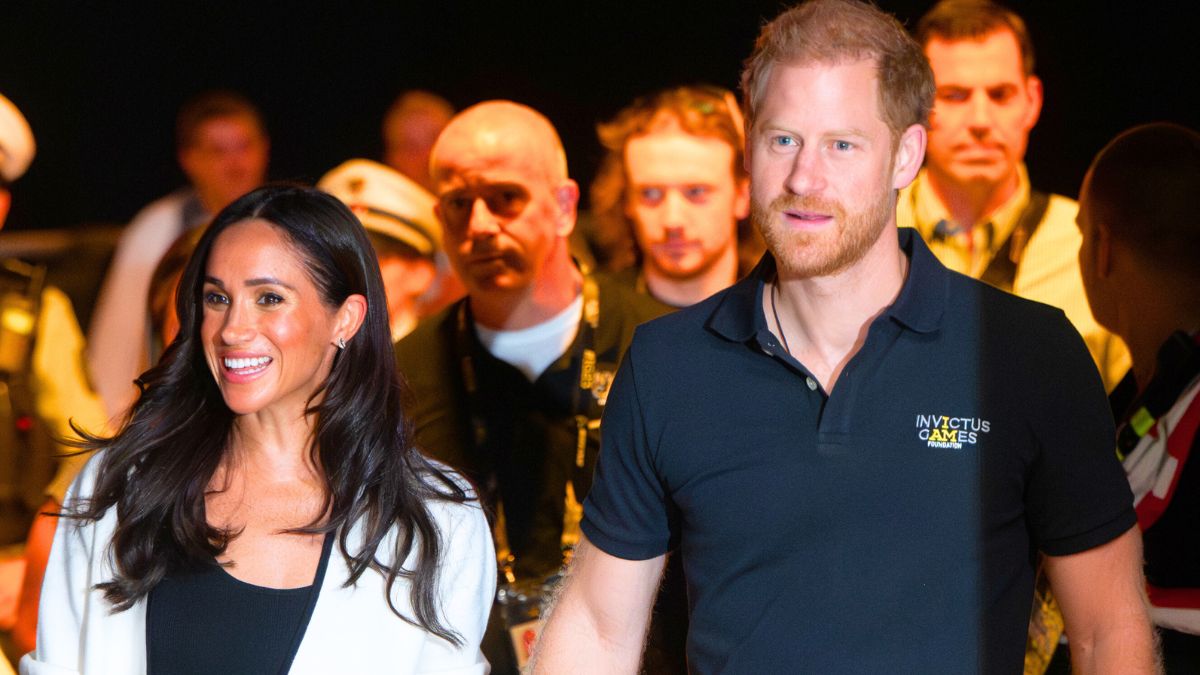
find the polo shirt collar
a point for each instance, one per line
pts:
(919, 307)
(737, 317)
(922, 300)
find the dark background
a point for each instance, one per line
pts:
(101, 82)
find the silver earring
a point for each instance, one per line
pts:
(341, 343)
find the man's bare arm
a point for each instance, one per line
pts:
(598, 623)
(1102, 593)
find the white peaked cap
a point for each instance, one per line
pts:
(387, 202)
(16, 141)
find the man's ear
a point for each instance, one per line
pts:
(1033, 91)
(349, 317)
(567, 197)
(910, 153)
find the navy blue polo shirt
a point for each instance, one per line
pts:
(891, 526)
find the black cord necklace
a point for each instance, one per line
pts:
(775, 312)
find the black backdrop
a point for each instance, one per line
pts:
(100, 82)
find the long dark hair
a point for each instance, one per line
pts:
(156, 470)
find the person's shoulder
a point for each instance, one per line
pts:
(1007, 328)
(990, 303)
(85, 481)
(54, 299)
(1060, 216)
(165, 207)
(1061, 203)
(445, 506)
(625, 299)
(673, 332)
(429, 333)
(441, 476)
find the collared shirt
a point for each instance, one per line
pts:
(889, 525)
(1049, 265)
(963, 247)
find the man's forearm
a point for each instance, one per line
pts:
(1132, 649)
(598, 622)
(1103, 597)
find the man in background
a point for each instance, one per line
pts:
(973, 202)
(398, 216)
(673, 187)
(43, 390)
(222, 147)
(509, 383)
(1141, 246)
(410, 128)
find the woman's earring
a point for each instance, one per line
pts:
(341, 343)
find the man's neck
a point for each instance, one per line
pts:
(1146, 325)
(685, 292)
(825, 319)
(972, 203)
(556, 288)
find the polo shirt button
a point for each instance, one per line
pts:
(812, 384)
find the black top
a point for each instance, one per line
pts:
(890, 526)
(206, 621)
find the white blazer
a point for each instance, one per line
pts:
(352, 630)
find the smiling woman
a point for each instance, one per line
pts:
(264, 506)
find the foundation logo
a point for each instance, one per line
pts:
(943, 431)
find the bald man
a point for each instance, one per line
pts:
(510, 382)
(1141, 241)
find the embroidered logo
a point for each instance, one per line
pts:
(943, 431)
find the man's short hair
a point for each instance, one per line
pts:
(212, 105)
(1145, 190)
(953, 20)
(841, 31)
(700, 110)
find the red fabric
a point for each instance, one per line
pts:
(1179, 445)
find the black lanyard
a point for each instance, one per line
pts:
(585, 408)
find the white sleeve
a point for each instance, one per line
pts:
(466, 590)
(62, 609)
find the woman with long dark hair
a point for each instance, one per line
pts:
(262, 509)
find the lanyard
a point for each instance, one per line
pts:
(585, 409)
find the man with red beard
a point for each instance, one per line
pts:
(973, 202)
(857, 452)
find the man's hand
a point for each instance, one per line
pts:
(599, 622)
(1103, 597)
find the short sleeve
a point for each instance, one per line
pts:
(1077, 496)
(626, 513)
